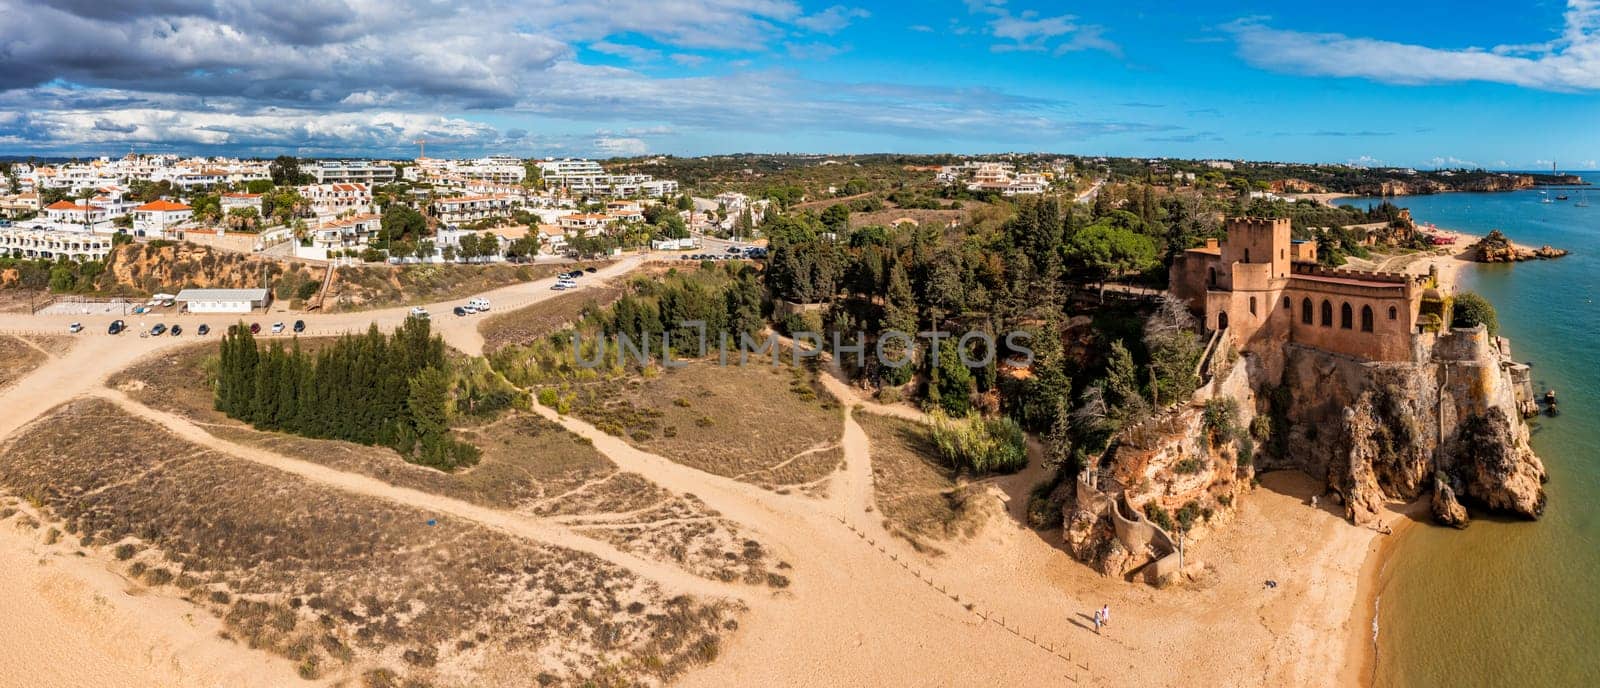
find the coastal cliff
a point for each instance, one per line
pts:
(1450, 425)
(1464, 182)
(1448, 428)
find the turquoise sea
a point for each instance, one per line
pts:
(1515, 603)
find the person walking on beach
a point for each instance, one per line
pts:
(1097, 622)
(1105, 615)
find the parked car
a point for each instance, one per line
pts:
(419, 312)
(177, 329)
(117, 326)
(590, 269)
(255, 328)
(478, 305)
(203, 330)
(560, 286)
(686, 257)
(157, 330)
(460, 312)
(735, 249)
(141, 310)
(277, 328)
(299, 326)
(75, 328)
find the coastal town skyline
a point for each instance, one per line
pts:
(1246, 81)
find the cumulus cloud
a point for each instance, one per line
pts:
(1030, 31)
(1569, 62)
(371, 76)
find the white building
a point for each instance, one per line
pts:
(80, 215)
(50, 244)
(222, 300)
(329, 200)
(464, 209)
(349, 171)
(234, 201)
(154, 217)
(336, 235)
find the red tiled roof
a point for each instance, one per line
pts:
(159, 205)
(62, 205)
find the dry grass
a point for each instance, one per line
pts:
(345, 584)
(529, 465)
(18, 300)
(547, 317)
(771, 426)
(917, 494)
(364, 288)
(17, 359)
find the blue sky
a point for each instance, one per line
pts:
(1417, 84)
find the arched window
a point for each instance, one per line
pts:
(1366, 318)
(1393, 313)
(1282, 254)
(1252, 305)
(1327, 313)
(1346, 317)
(1305, 312)
(1222, 320)
(1286, 302)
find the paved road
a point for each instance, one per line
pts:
(459, 332)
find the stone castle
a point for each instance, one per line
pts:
(1353, 378)
(1265, 289)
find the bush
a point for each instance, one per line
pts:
(125, 551)
(548, 397)
(1158, 516)
(978, 445)
(889, 395)
(1188, 466)
(1470, 310)
(1187, 515)
(1221, 421)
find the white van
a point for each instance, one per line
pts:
(478, 304)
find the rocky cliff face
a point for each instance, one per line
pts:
(1391, 431)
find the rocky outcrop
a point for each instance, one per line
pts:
(1496, 248)
(1496, 467)
(1446, 510)
(1389, 431)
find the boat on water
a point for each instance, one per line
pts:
(1562, 197)
(1583, 200)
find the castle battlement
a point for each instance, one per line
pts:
(1265, 291)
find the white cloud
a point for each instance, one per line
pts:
(1570, 62)
(631, 53)
(621, 145)
(833, 19)
(1029, 31)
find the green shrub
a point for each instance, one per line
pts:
(978, 445)
(889, 395)
(1158, 516)
(1468, 309)
(548, 397)
(1189, 466)
(125, 551)
(1221, 421)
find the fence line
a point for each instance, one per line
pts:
(986, 615)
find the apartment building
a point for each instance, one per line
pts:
(50, 244)
(329, 200)
(465, 209)
(349, 172)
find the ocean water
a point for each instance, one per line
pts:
(1515, 603)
